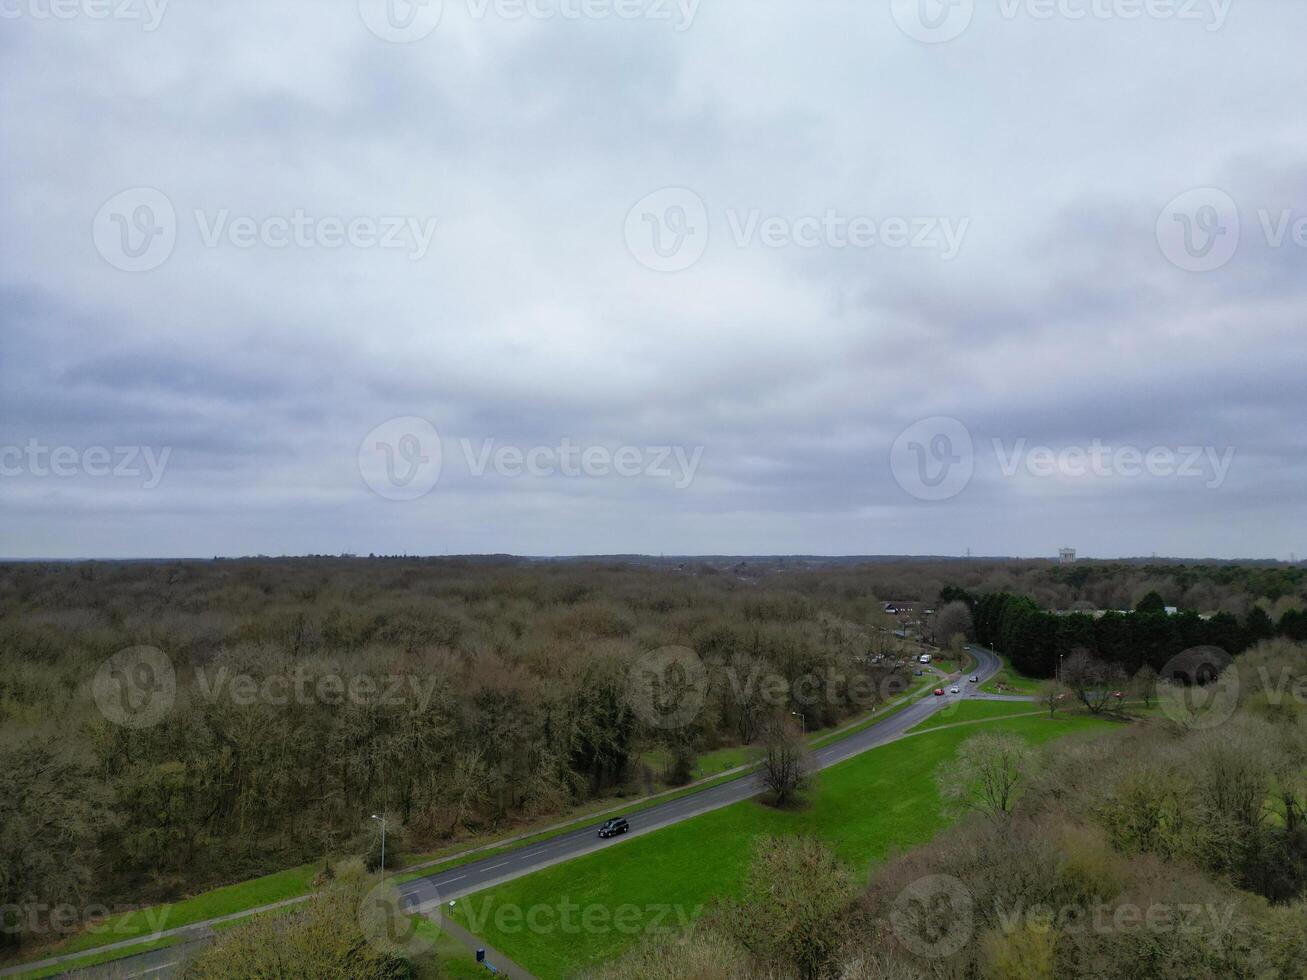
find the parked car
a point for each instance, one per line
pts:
(975, 679)
(954, 690)
(917, 673)
(1117, 694)
(939, 692)
(612, 828)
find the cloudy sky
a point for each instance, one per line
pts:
(599, 276)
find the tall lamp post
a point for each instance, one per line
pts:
(383, 841)
(803, 723)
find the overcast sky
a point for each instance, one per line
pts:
(602, 276)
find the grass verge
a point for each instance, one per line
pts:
(575, 915)
(1009, 680)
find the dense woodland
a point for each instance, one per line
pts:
(515, 700)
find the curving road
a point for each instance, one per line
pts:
(477, 875)
(423, 893)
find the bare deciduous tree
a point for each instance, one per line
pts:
(1052, 696)
(954, 619)
(1144, 685)
(786, 764)
(1093, 681)
(985, 775)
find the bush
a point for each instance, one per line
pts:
(326, 939)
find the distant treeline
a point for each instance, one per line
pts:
(1034, 639)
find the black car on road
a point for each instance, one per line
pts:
(612, 828)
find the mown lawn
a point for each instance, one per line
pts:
(571, 916)
(93, 959)
(963, 711)
(208, 905)
(1009, 680)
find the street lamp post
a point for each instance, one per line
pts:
(803, 723)
(383, 841)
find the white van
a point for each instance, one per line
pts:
(924, 658)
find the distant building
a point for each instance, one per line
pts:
(1066, 556)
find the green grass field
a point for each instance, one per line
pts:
(155, 918)
(92, 959)
(575, 915)
(966, 711)
(1009, 680)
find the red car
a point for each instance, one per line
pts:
(939, 692)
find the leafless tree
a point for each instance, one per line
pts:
(954, 619)
(1052, 696)
(985, 775)
(1144, 685)
(786, 763)
(1091, 680)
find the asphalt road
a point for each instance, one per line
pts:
(472, 877)
(425, 893)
